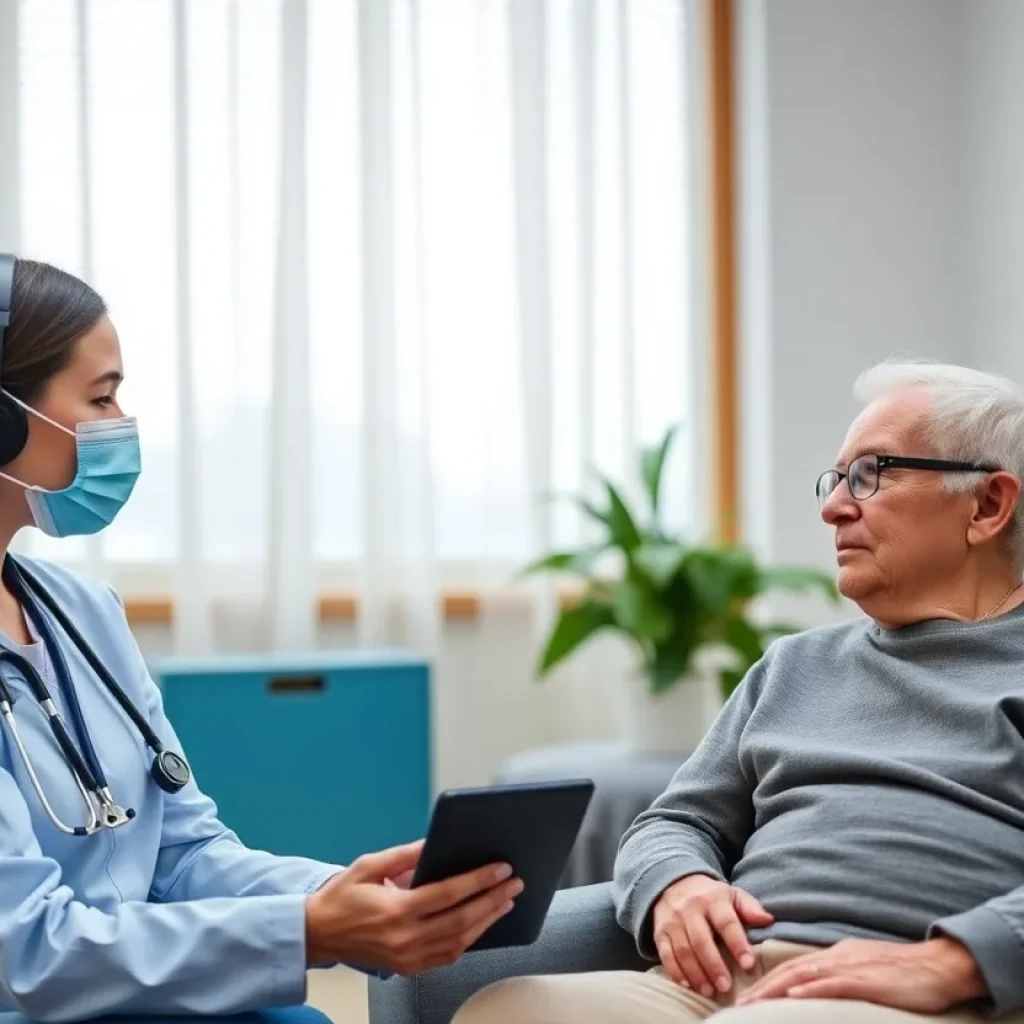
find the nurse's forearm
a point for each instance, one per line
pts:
(64, 961)
(222, 866)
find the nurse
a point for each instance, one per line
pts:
(120, 890)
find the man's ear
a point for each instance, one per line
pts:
(992, 508)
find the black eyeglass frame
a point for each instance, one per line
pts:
(885, 462)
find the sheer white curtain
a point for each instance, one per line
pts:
(386, 274)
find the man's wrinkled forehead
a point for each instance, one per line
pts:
(892, 425)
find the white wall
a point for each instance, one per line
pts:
(994, 153)
(853, 215)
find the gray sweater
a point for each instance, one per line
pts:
(860, 782)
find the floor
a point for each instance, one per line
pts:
(340, 993)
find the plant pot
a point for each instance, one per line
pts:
(675, 720)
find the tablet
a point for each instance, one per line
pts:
(531, 826)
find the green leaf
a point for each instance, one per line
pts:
(620, 521)
(659, 562)
(581, 561)
(712, 587)
(652, 462)
(667, 667)
(729, 679)
(574, 625)
(785, 578)
(744, 639)
(741, 568)
(617, 519)
(726, 574)
(639, 612)
(671, 660)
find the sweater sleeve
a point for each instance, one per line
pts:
(993, 932)
(699, 825)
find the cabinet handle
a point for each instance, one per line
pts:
(296, 684)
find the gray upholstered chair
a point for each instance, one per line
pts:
(580, 934)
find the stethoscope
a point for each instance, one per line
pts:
(169, 770)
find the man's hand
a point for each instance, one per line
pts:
(690, 916)
(366, 917)
(922, 977)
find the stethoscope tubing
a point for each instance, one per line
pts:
(72, 830)
(169, 770)
(56, 723)
(138, 719)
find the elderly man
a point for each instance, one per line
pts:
(847, 844)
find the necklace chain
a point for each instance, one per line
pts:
(1006, 597)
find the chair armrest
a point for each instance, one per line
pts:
(579, 934)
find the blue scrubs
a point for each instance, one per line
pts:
(168, 914)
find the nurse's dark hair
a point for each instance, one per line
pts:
(50, 310)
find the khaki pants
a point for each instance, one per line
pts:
(636, 997)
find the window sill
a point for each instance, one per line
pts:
(336, 606)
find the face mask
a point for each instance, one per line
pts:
(109, 463)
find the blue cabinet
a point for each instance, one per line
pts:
(324, 755)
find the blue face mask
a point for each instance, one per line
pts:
(109, 463)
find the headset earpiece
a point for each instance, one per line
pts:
(13, 421)
(13, 430)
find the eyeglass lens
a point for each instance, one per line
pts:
(861, 474)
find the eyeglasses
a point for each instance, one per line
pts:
(864, 473)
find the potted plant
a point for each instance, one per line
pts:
(674, 602)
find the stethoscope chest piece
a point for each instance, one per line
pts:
(170, 772)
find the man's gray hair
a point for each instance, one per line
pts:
(975, 417)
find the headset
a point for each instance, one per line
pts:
(13, 420)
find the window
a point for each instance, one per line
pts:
(140, 156)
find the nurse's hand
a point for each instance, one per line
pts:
(357, 918)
